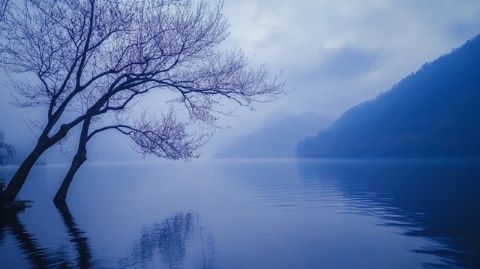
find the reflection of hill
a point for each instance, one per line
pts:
(438, 200)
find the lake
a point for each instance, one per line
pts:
(250, 214)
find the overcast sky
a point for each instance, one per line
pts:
(338, 53)
(335, 53)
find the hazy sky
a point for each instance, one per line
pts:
(334, 53)
(337, 53)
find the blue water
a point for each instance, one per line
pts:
(250, 214)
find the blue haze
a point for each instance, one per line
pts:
(432, 113)
(244, 214)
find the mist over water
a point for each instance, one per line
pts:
(318, 134)
(251, 214)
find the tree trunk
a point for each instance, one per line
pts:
(61, 195)
(22, 172)
(78, 160)
(18, 179)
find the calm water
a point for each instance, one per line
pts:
(272, 214)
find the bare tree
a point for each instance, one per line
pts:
(84, 59)
(164, 138)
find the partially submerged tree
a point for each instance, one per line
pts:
(85, 59)
(164, 138)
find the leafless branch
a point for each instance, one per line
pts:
(88, 58)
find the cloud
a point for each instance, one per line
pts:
(335, 53)
(345, 63)
(338, 53)
(322, 45)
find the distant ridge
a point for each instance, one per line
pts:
(277, 140)
(434, 112)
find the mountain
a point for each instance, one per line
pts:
(277, 140)
(434, 112)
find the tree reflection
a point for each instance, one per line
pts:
(77, 236)
(42, 257)
(37, 256)
(170, 241)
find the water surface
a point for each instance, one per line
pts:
(250, 214)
